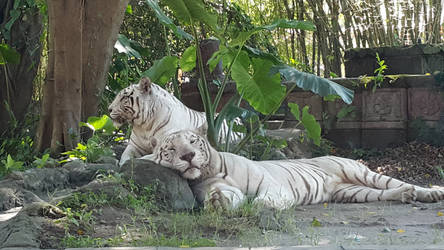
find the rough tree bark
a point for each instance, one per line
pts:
(81, 38)
(16, 80)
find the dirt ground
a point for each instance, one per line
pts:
(377, 223)
(346, 225)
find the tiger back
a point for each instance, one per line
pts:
(225, 180)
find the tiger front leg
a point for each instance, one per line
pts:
(130, 152)
(224, 197)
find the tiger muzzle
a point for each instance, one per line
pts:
(188, 156)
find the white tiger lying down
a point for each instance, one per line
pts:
(225, 180)
(154, 112)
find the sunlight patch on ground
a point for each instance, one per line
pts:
(8, 214)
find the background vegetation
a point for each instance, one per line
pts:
(145, 38)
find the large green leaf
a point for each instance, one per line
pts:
(252, 52)
(103, 123)
(308, 121)
(188, 11)
(162, 70)
(167, 21)
(255, 83)
(8, 55)
(188, 60)
(315, 84)
(280, 23)
(123, 45)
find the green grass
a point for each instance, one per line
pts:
(144, 221)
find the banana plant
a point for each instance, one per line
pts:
(257, 74)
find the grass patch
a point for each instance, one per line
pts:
(129, 215)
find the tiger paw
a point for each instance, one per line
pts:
(431, 195)
(408, 195)
(217, 200)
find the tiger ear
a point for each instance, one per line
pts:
(202, 130)
(145, 85)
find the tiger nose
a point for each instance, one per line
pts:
(188, 156)
(110, 110)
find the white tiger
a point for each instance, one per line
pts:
(153, 112)
(225, 180)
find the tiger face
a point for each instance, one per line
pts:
(127, 104)
(186, 152)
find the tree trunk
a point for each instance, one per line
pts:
(16, 80)
(81, 38)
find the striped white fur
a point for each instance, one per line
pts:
(225, 180)
(154, 112)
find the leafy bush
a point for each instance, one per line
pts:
(96, 146)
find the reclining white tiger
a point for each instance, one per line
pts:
(225, 180)
(154, 112)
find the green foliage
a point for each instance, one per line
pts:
(17, 143)
(20, 8)
(315, 84)
(162, 70)
(89, 152)
(188, 60)
(96, 146)
(262, 90)
(9, 165)
(192, 11)
(174, 241)
(101, 124)
(379, 78)
(251, 69)
(346, 111)
(124, 45)
(308, 121)
(8, 55)
(82, 219)
(44, 161)
(165, 20)
(279, 23)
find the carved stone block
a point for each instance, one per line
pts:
(425, 103)
(384, 105)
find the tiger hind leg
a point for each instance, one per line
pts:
(357, 193)
(429, 194)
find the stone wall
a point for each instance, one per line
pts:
(415, 59)
(380, 118)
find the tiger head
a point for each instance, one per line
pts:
(185, 151)
(126, 107)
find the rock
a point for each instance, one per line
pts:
(42, 181)
(23, 230)
(10, 198)
(81, 173)
(107, 160)
(170, 186)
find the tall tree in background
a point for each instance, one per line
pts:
(81, 39)
(22, 33)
